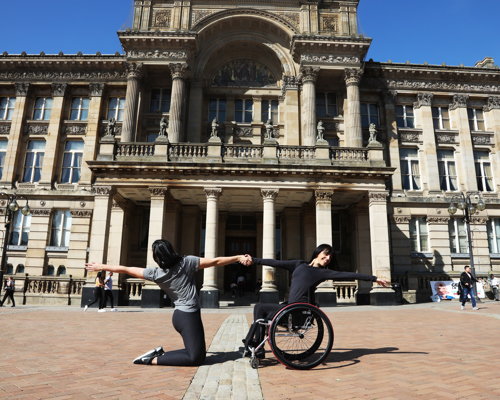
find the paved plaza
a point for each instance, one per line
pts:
(423, 351)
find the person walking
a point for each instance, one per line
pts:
(494, 286)
(176, 277)
(108, 291)
(467, 281)
(98, 294)
(9, 292)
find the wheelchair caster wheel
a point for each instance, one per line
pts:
(254, 362)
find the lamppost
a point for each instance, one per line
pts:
(9, 211)
(464, 203)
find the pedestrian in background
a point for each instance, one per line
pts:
(9, 292)
(98, 294)
(108, 291)
(494, 286)
(467, 281)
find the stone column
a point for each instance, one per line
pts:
(134, 74)
(465, 152)
(179, 72)
(195, 110)
(492, 115)
(79, 240)
(118, 233)
(389, 99)
(326, 296)
(309, 76)
(269, 292)
(12, 155)
(52, 141)
(290, 89)
(209, 294)
(38, 239)
(353, 128)
(380, 253)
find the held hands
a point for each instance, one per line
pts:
(245, 260)
(382, 282)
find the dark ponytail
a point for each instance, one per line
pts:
(164, 254)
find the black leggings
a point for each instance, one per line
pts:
(9, 293)
(98, 296)
(265, 311)
(190, 326)
(108, 294)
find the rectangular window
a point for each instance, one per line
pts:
(270, 111)
(447, 170)
(419, 234)
(7, 108)
(61, 228)
(244, 110)
(404, 116)
(476, 119)
(20, 229)
(160, 101)
(493, 227)
(42, 108)
(3, 153)
(34, 161)
(484, 176)
(369, 115)
(72, 161)
(336, 232)
(441, 117)
(79, 109)
(410, 169)
(217, 109)
(326, 104)
(458, 236)
(116, 108)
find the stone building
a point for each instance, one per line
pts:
(246, 127)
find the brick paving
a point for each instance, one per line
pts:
(406, 352)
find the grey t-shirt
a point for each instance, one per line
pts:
(178, 282)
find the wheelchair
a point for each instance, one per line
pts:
(300, 336)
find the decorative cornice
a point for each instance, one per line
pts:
(22, 88)
(213, 193)
(179, 71)
(459, 101)
(479, 220)
(37, 129)
(329, 59)
(437, 220)
(353, 76)
(401, 219)
(96, 89)
(423, 99)
(481, 139)
(269, 194)
(59, 89)
(5, 128)
(243, 132)
(104, 190)
(291, 83)
(445, 138)
(309, 74)
(493, 103)
(41, 212)
(158, 54)
(77, 129)
(323, 196)
(160, 191)
(52, 76)
(134, 70)
(81, 213)
(378, 197)
(409, 136)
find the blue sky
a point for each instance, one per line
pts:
(436, 31)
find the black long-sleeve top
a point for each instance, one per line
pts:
(305, 277)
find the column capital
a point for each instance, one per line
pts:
(134, 70)
(59, 89)
(81, 213)
(158, 191)
(493, 103)
(401, 219)
(309, 74)
(353, 76)
(459, 101)
(96, 89)
(213, 192)
(389, 96)
(179, 70)
(269, 194)
(323, 196)
(378, 197)
(423, 99)
(438, 220)
(104, 190)
(291, 83)
(22, 88)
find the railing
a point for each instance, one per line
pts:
(347, 154)
(345, 292)
(135, 149)
(134, 288)
(242, 151)
(296, 153)
(187, 151)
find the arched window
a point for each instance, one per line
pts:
(20, 269)
(50, 270)
(10, 269)
(61, 270)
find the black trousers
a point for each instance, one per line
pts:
(10, 294)
(190, 326)
(108, 294)
(257, 332)
(98, 297)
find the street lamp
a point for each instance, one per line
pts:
(9, 211)
(464, 203)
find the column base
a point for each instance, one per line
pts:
(151, 298)
(269, 297)
(362, 298)
(382, 297)
(87, 296)
(326, 299)
(209, 298)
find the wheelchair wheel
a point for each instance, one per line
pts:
(301, 336)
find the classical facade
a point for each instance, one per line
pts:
(250, 127)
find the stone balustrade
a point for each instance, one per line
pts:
(345, 292)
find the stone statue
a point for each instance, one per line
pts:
(215, 128)
(269, 129)
(320, 130)
(373, 134)
(163, 126)
(110, 129)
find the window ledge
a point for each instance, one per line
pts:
(17, 248)
(66, 186)
(56, 249)
(495, 255)
(460, 255)
(417, 254)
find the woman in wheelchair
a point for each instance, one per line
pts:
(305, 277)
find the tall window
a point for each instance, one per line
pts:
(484, 175)
(72, 161)
(244, 110)
(336, 232)
(441, 117)
(79, 109)
(7, 108)
(42, 109)
(404, 116)
(116, 108)
(410, 169)
(476, 119)
(34, 161)
(326, 104)
(419, 234)
(217, 109)
(3, 153)
(493, 227)
(458, 235)
(369, 115)
(270, 110)
(20, 229)
(447, 170)
(160, 101)
(61, 228)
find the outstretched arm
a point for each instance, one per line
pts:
(221, 261)
(120, 269)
